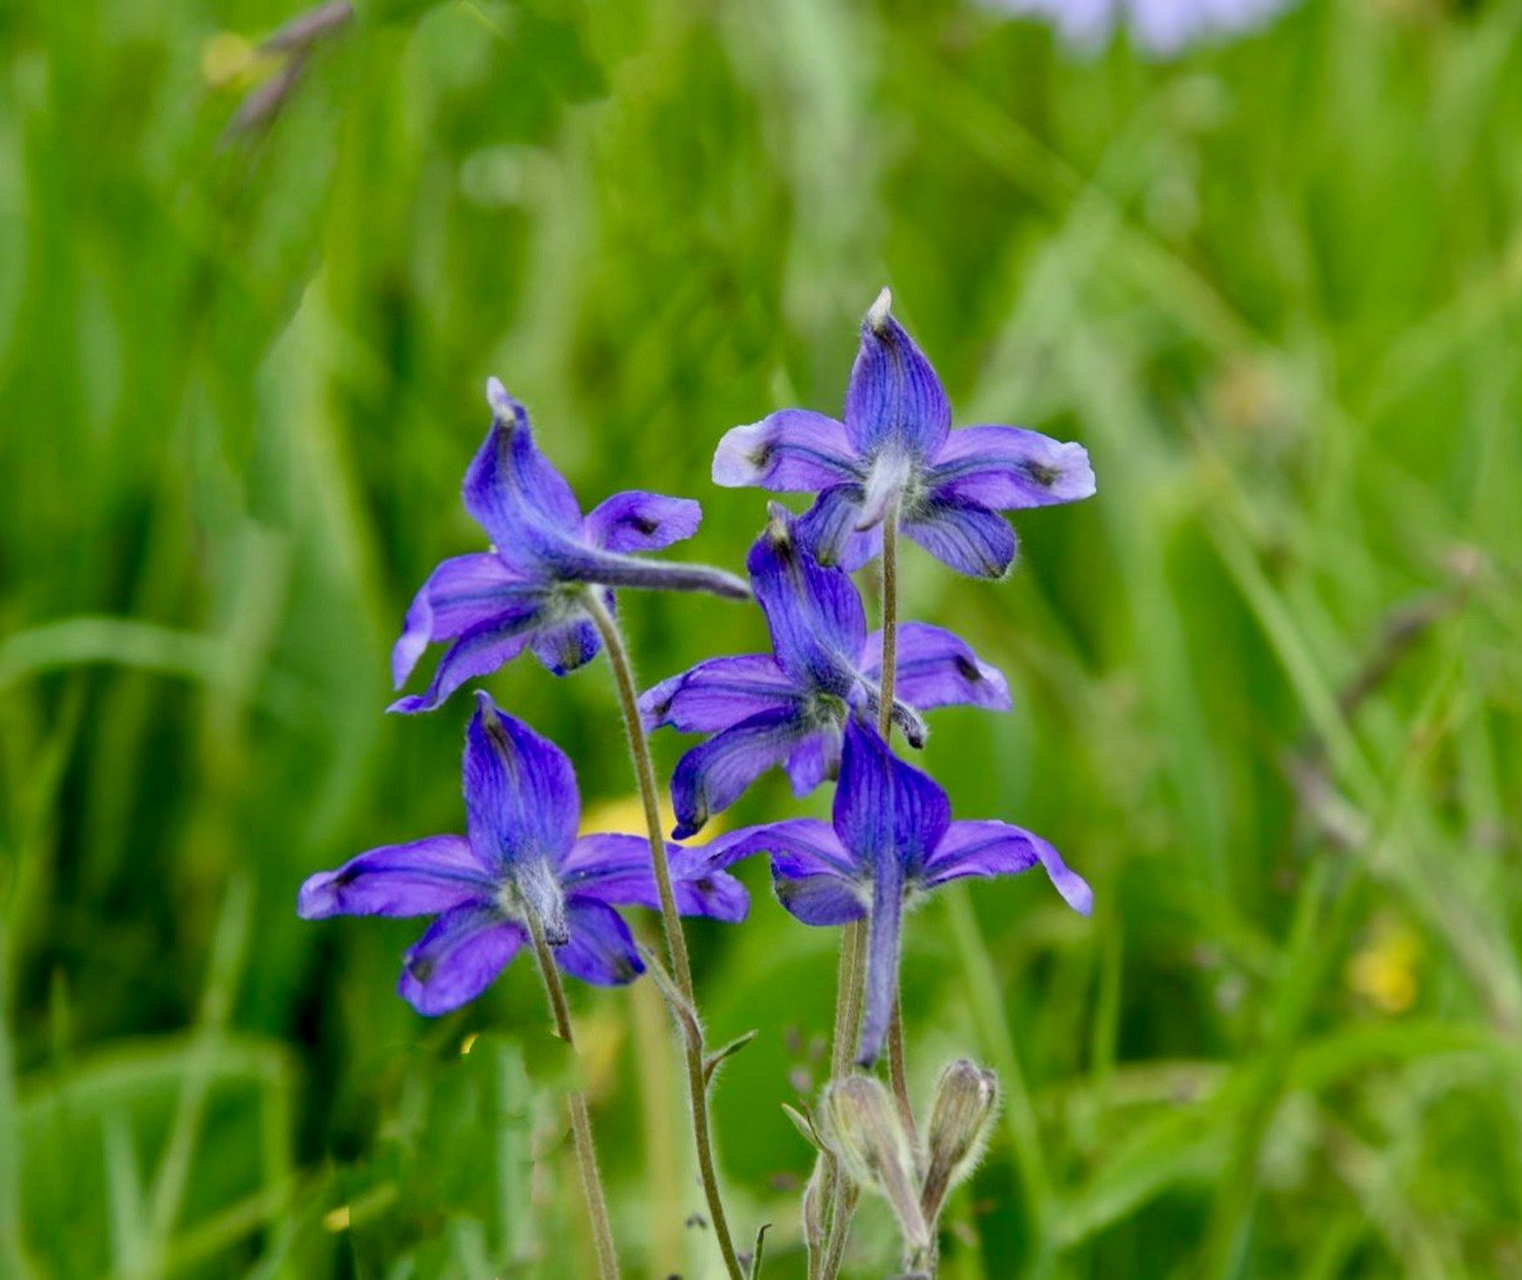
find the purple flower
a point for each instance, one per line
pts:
(892, 839)
(520, 858)
(1161, 27)
(896, 446)
(790, 707)
(533, 588)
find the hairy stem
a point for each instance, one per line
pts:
(581, 1120)
(671, 923)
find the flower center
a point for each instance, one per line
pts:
(532, 891)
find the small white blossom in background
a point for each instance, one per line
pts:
(1160, 27)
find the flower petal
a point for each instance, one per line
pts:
(968, 537)
(567, 645)
(639, 521)
(998, 849)
(420, 878)
(521, 802)
(937, 669)
(821, 900)
(791, 451)
(482, 649)
(1007, 468)
(894, 394)
(601, 950)
(711, 777)
(462, 592)
(616, 869)
(718, 693)
(459, 956)
(815, 759)
(798, 847)
(511, 489)
(814, 613)
(828, 529)
(884, 809)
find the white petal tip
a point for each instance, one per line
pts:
(877, 313)
(496, 396)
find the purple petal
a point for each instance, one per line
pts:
(567, 645)
(884, 809)
(421, 878)
(792, 451)
(616, 869)
(1006, 468)
(828, 529)
(815, 759)
(717, 694)
(601, 949)
(968, 537)
(821, 900)
(937, 669)
(639, 521)
(703, 888)
(483, 648)
(998, 849)
(461, 593)
(521, 802)
(711, 777)
(511, 489)
(814, 877)
(815, 614)
(885, 923)
(894, 395)
(798, 847)
(459, 956)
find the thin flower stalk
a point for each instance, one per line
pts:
(676, 940)
(581, 1119)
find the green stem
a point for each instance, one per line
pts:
(671, 923)
(581, 1120)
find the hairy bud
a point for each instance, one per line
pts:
(858, 1121)
(966, 1099)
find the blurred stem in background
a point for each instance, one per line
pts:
(690, 1028)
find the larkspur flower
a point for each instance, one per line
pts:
(896, 448)
(891, 840)
(789, 707)
(1163, 28)
(520, 857)
(533, 588)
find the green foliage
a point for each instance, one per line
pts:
(1266, 682)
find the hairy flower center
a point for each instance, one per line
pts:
(533, 892)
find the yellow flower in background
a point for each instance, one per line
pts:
(626, 816)
(229, 60)
(1384, 971)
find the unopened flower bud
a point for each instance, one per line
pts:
(966, 1098)
(858, 1121)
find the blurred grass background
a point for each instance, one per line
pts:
(1268, 682)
